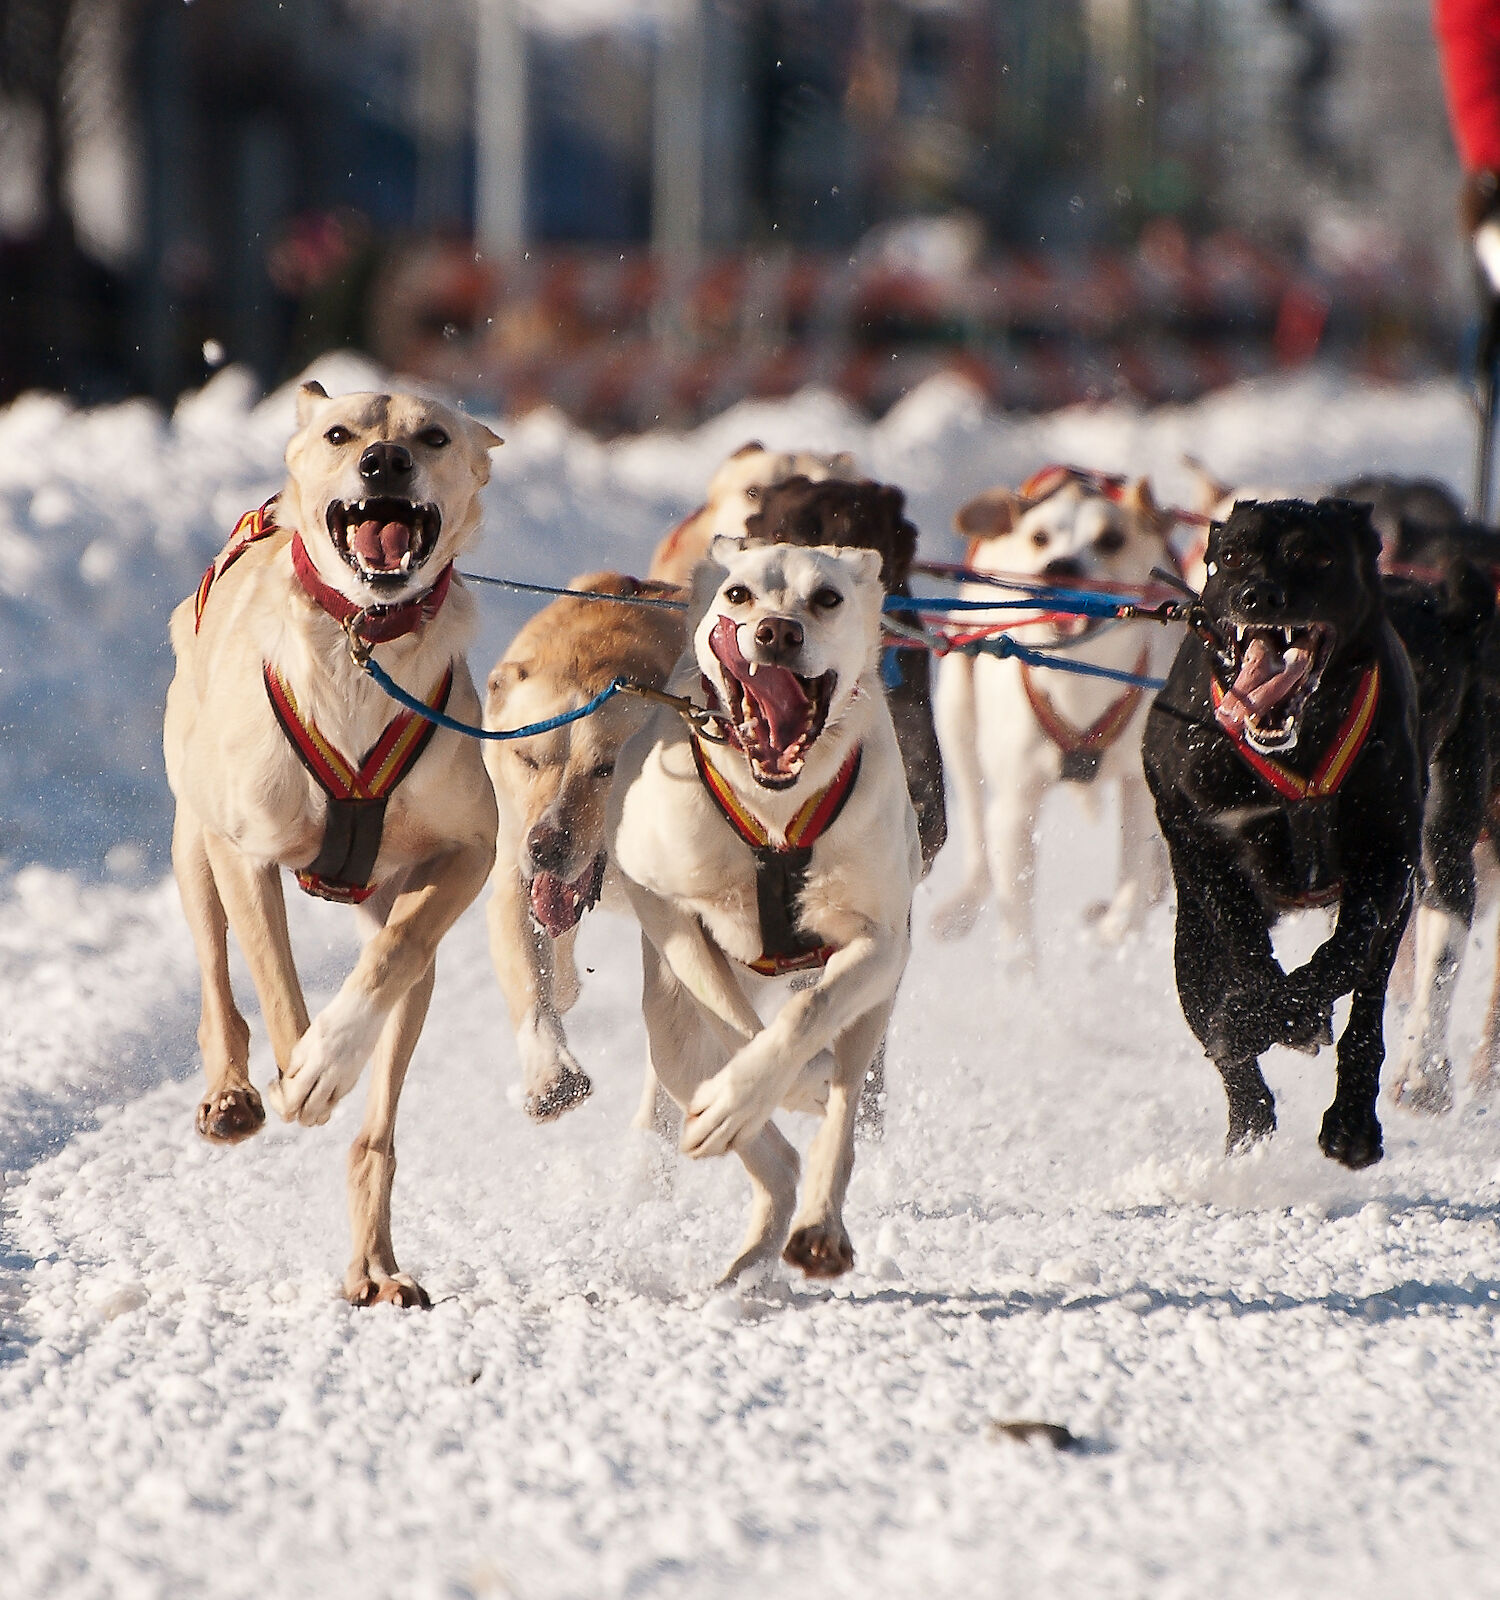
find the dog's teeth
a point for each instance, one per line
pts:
(754, 668)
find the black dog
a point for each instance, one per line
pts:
(1284, 759)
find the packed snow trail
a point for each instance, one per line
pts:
(1283, 1376)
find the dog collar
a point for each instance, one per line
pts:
(1330, 772)
(357, 795)
(1082, 747)
(374, 624)
(781, 869)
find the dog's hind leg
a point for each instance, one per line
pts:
(958, 737)
(819, 1242)
(231, 1110)
(688, 1045)
(1423, 1081)
(373, 1277)
(1350, 1133)
(1200, 987)
(1143, 866)
(772, 1164)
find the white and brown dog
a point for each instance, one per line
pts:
(792, 845)
(1009, 732)
(552, 790)
(735, 493)
(281, 752)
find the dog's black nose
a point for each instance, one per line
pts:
(778, 636)
(1063, 570)
(547, 847)
(385, 463)
(1262, 599)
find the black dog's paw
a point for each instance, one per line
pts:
(1252, 1107)
(1351, 1136)
(1304, 1017)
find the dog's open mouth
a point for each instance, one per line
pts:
(557, 904)
(776, 713)
(1273, 673)
(385, 539)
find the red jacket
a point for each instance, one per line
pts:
(1468, 37)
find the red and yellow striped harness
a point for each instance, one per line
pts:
(1339, 757)
(357, 796)
(781, 869)
(250, 529)
(1082, 747)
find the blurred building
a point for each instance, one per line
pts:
(642, 208)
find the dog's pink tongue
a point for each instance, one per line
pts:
(778, 693)
(381, 544)
(1266, 678)
(555, 903)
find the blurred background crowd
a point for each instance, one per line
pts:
(642, 210)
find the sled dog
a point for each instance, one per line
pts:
(790, 846)
(281, 752)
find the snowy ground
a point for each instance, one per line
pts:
(1283, 1375)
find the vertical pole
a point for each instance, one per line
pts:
(500, 134)
(678, 134)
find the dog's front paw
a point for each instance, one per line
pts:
(1351, 1135)
(1425, 1087)
(231, 1115)
(326, 1063)
(362, 1290)
(822, 1251)
(733, 1104)
(567, 1089)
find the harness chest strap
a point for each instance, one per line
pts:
(1337, 759)
(781, 869)
(357, 795)
(1082, 747)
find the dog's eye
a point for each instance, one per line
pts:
(752, 493)
(337, 435)
(1041, 538)
(1231, 559)
(738, 595)
(528, 761)
(605, 769)
(1110, 542)
(1307, 556)
(434, 438)
(825, 599)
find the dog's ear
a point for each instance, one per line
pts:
(990, 514)
(723, 548)
(307, 397)
(1138, 499)
(504, 676)
(487, 437)
(1210, 490)
(750, 447)
(866, 564)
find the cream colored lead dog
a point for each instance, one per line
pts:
(790, 847)
(282, 753)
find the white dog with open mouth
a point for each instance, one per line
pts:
(791, 846)
(281, 752)
(1010, 732)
